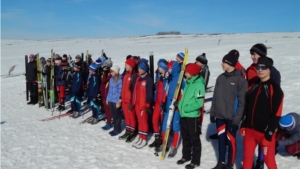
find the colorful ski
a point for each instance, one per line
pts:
(39, 79)
(86, 120)
(171, 108)
(56, 117)
(51, 90)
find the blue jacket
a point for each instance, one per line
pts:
(93, 86)
(293, 135)
(59, 76)
(114, 90)
(174, 75)
(76, 82)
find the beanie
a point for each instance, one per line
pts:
(58, 57)
(265, 61)
(131, 62)
(32, 56)
(180, 55)
(235, 53)
(77, 57)
(260, 49)
(193, 69)
(286, 122)
(93, 67)
(42, 60)
(144, 60)
(65, 55)
(202, 59)
(231, 58)
(162, 63)
(49, 60)
(98, 62)
(107, 63)
(115, 68)
(143, 66)
(77, 65)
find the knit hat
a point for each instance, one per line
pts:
(202, 59)
(144, 60)
(42, 60)
(265, 61)
(162, 63)
(49, 60)
(287, 122)
(32, 56)
(115, 68)
(131, 62)
(231, 58)
(58, 58)
(77, 57)
(93, 67)
(180, 55)
(235, 53)
(98, 62)
(193, 69)
(260, 49)
(170, 64)
(107, 63)
(77, 65)
(143, 66)
(65, 56)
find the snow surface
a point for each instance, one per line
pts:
(29, 143)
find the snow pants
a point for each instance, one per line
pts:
(116, 115)
(175, 127)
(106, 109)
(142, 117)
(61, 94)
(157, 118)
(130, 119)
(95, 107)
(75, 102)
(225, 135)
(191, 143)
(33, 89)
(251, 139)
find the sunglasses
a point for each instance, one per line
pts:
(258, 67)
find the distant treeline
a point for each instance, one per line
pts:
(169, 33)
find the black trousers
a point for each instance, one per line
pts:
(33, 89)
(191, 143)
(116, 115)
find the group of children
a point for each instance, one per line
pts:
(247, 100)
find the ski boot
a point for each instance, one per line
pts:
(131, 137)
(157, 142)
(124, 136)
(220, 165)
(259, 164)
(191, 166)
(182, 161)
(141, 144)
(173, 152)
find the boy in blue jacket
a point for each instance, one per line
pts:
(93, 88)
(76, 90)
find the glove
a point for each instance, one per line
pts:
(242, 131)
(148, 110)
(265, 142)
(176, 103)
(234, 128)
(212, 119)
(130, 107)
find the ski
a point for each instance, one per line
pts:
(51, 89)
(86, 120)
(39, 79)
(27, 92)
(172, 108)
(151, 65)
(56, 117)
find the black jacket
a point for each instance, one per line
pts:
(263, 107)
(31, 71)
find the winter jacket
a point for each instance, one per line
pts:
(143, 92)
(160, 89)
(173, 79)
(229, 97)
(129, 80)
(205, 74)
(192, 98)
(31, 71)
(104, 83)
(263, 107)
(114, 90)
(294, 134)
(252, 75)
(93, 86)
(60, 78)
(77, 83)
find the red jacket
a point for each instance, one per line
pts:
(104, 84)
(143, 91)
(239, 66)
(128, 84)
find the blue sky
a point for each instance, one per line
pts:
(55, 19)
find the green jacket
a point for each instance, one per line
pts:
(193, 97)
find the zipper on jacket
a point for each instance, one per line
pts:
(258, 92)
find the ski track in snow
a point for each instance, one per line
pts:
(27, 142)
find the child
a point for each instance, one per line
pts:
(189, 105)
(128, 84)
(160, 95)
(113, 101)
(142, 99)
(76, 90)
(93, 87)
(227, 113)
(60, 83)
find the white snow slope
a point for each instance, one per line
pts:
(29, 143)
